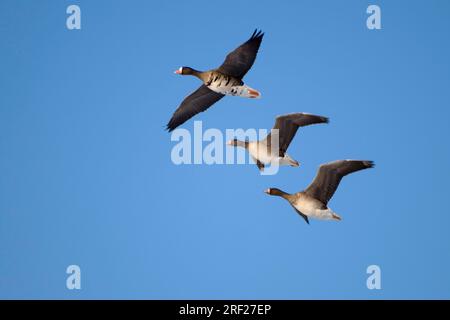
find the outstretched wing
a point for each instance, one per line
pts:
(330, 175)
(287, 126)
(196, 102)
(238, 62)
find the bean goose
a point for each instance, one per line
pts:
(272, 149)
(225, 80)
(313, 201)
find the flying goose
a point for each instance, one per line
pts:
(225, 80)
(313, 201)
(265, 151)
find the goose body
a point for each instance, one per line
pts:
(313, 208)
(261, 152)
(222, 83)
(243, 91)
(217, 83)
(272, 149)
(313, 201)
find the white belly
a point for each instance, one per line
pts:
(310, 209)
(260, 153)
(230, 90)
(266, 157)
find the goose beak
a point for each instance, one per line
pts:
(254, 94)
(229, 143)
(267, 191)
(178, 71)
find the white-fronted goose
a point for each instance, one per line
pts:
(264, 152)
(313, 201)
(225, 80)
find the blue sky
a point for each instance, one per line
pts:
(87, 179)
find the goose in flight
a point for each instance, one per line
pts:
(272, 149)
(225, 80)
(313, 201)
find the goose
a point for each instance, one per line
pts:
(263, 152)
(217, 83)
(313, 201)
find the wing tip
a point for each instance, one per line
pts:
(369, 164)
(320, 119)
(170, 126)
(257, 34)
(317, 119)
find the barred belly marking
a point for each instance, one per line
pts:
(233, 90)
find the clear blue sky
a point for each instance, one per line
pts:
(86, 176)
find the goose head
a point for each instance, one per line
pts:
(275, 192)
(185, 71)
(233, 142)
(238, 143)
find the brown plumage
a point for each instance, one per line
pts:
(265, 151)
(330, 175)
(225, 79)
(286, 127)
(313, 201)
